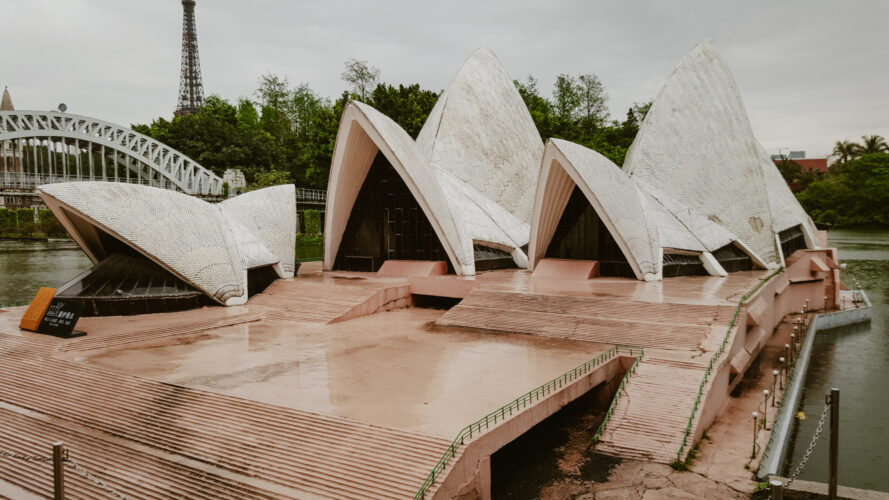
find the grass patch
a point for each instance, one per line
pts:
(308, 248)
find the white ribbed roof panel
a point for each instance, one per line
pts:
(481, 132)
(270, 214)
(696, 146)
(197, 241)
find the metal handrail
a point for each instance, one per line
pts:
(716, 356)
(504, 412)
(311, 194)
(620, 390)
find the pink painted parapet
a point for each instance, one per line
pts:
(566, 269)
(808, 274)
(413, 268)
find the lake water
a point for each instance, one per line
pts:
(25, 266)
(854, 359)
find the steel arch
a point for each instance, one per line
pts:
(183, 172)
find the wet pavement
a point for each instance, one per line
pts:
(392, 369)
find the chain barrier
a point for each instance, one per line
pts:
(102, 485)
(805, 459)
(26, 458)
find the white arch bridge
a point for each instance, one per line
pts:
(42, 147)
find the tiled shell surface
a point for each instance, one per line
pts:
(620, 200)
(270, 214)
(696, 145)
(185, 234)
(481, 132)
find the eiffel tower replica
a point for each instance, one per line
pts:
(191, 87)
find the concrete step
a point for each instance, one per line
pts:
(650, 417)
(324, 456)
(589, 318)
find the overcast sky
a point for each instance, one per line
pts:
(810, 72)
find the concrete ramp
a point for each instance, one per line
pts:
(330, 298)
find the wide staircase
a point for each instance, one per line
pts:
(606, 320)
(148, 439)
(651, 416)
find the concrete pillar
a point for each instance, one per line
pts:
(484, 477)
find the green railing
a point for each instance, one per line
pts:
(620, 390)
(716, 356)
(506, 411)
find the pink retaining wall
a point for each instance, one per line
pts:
(469, 476)
(803, 278)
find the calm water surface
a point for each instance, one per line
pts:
(854, 359)
(25, 266)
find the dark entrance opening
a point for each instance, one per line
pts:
(678, 264)
(489, 258)
(792, 240)
(260, 278)
(128, 284)
(733, 259)
(581, 235)
(523, 467)
(386, 223)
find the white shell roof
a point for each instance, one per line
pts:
(195, 240)
(481, 132)
(644, 224)
(696, 145)
(472, 169)
(268, 214)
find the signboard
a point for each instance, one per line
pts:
(52, 315)
(37, 308)
(61, 317)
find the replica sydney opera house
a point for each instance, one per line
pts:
(663, 280)
(697, 193)
(477, 190)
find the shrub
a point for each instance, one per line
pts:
(312, 222)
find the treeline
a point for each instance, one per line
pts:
(855, 191)
(286, 133)
(21, 224)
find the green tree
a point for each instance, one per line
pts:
(790, 170)
(844, 151)
(269, 178)
(361, 76)
(855, 193)
(593, 101)
(873, 144)
(408, 106)
(566, 99)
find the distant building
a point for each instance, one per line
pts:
(806, 164)
(237, 184)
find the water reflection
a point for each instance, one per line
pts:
(855, 360)
(25, 266)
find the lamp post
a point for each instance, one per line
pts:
(787, 353)
(783, 371)
(765, 409)
(774, 381)
(755, 416)
(792, 345)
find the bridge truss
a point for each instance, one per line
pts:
(38, 147)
